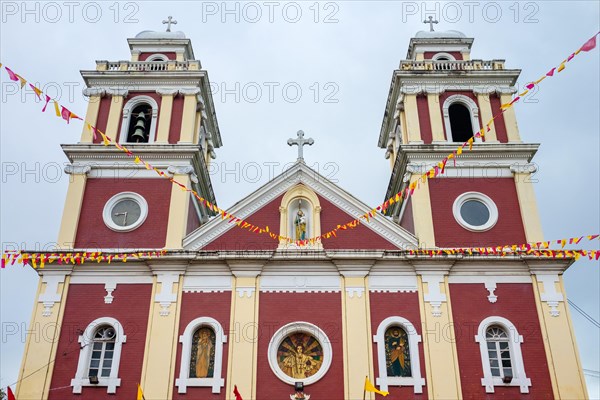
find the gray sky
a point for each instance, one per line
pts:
(341, 55)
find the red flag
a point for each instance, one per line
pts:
(237, 394)
(10, 394)
(587, 46)
(14, 77)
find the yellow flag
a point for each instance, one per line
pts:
(56, 109)
(370, 388)
(140, 394)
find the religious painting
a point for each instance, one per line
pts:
(397, 355)
(300, 355)
(202, 362)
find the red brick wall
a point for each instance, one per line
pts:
(169, 54)
(448, 233)
(321, 309)
(93, 233)
(499, 122)
(176, 116)
(405, 305)
(360, 237)
(447, 94)
(102, 119)
(456, 54)
(424, 121)
(517, 304)
(84, 304)
(157, 97)
(196, 305)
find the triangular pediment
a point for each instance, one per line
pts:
(262, 208)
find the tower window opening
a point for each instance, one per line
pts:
(139, 124)
(460, 123)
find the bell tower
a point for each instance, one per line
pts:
(158, 104)
(439, 97)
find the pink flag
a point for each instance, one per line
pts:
(11, 75)
(551, 72)
(46, 105)
(587, 46)
(66, 114)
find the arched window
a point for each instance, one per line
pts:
(300, 216)
(501, 357)
(100, 355)
(157, 57)
(443, 57)
(201, 355)
(140, 115)
(461, 118)
(398, 354)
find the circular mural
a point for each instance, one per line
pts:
(299, 352)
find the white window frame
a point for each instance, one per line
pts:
(299, 327)
(86, 341)
(157, 57)
(128, 108)
(216, 382)
(487, 201)
(384, 381)
(107, 211)
(519, 379)
(471, 106)
(449, 56)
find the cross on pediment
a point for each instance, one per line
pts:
(300, 142)
(169, 21)
(430, 21)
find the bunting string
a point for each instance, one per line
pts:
(40, 260)
(402, 195)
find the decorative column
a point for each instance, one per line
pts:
(178, 209)
(356, 322)
(435, 115)
(527, 201)
(166, 109)
(94, 96)
(73, 202)
(438, 330)
(422, 214)
(485, 108)
(114, 113)
(189, 114)
(510, 119)
(158, 372)
(412, 117)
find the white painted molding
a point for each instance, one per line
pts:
(489, 281)
(245, 291)
(89, 92)
(519, 379)
(299, 283)
(482, 198)
(108, 207)
(355, 291)
(81, 376)
(166, 297)
(51, 295)
(117, 92)
(550, 295)
(189, 92)
(441, 54)
(167, 91)
(73, 169)
(384, 381)
(392, 283)
(216, 382)
(183, 170)
(207, 284)
(529, 168)
(110, 287)
(434, 296)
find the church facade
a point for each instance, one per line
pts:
(224, 309)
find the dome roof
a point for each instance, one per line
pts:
(160, 35)
(440, 35)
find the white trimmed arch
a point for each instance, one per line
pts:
(471, 106)
(415, 380)
(128, 108)
(448, 56)
(286, 213)
(86, 341)
(157, 57)
(216, 382)
(519, 379)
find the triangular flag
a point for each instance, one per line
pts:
(237, 394)
(37, 91)
(56, 109)
(370, 388)
(46, 105)
(140, 393)
(9, 392)
(587, 46)
(11, 75)
(23, 81)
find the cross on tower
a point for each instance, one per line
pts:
(300, 142)
(430, 21)
(169, 21)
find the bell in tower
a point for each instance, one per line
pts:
(138, 129)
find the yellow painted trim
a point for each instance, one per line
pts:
(164, 120)
(178, 213)
(179, 56)
(72, 211)
(187, 119)
(197, 122)
(114, 115)
(148, 332)
(91, 116)
(419, 56)
(230, 340)
(344, 341)
(255, 353)
(425, 338)
(412, 118)
(466, 55)
(510, 119)
(173, 369)
(435, 117)
(453, 340)
(422, 215)
(528, 207)
(485, 110)
(404, 131)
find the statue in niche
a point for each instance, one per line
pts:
(203, 353)
(397, 355)
(300, 223)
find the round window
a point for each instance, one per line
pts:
(475, 211)
(125, 211)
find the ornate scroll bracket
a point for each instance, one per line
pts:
(434, 296)
(166, 296)
(550, 295)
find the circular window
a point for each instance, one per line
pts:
(475, 211)
(299, 352)
(125, 212)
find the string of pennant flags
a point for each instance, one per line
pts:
(39, 260)
(435, 171)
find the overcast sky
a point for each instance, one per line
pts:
(340, 56)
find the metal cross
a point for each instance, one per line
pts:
(430, 21)
(300, 142)
(169, 21)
